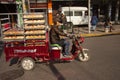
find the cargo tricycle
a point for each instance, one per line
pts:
(30, 51)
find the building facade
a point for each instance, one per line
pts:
(100, 7)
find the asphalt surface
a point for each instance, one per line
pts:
(103, 64)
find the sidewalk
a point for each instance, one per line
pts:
(99, 31)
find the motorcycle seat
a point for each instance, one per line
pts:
(56, 46)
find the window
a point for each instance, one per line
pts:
(78, 13)
(68, 13)
(86, 13)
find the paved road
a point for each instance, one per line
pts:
(103, 65)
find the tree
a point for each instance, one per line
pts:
(108, 8)
(117, 3)
(117, 10)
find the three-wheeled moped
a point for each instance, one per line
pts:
(30, 51)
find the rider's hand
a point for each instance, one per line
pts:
(70, 35)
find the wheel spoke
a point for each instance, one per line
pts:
(27, 64)
(83, 58)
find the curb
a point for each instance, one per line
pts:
(100, 34)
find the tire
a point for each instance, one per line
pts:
(83, 58)
(27, 63)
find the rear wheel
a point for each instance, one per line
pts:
(83, 57)
(27, 63)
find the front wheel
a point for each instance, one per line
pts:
(27, 63)
(83, 56)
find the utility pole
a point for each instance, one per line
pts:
(89, 25)
(50, 17)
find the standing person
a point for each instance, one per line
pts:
(64, 22)
(58, 17)
(94, 21)
(55, 34)
(108, 24)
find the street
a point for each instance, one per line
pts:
(103, 64)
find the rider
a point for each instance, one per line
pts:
(55, 34)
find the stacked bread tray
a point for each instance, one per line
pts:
(13, 34)
(34, 26)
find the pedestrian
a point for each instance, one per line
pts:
(64, 22)
(55, 34)
(61, 18)
(108, 25)
(57, 16)
(94, 21)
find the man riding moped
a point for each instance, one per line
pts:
(55, 34)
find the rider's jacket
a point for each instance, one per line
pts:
(55, 34)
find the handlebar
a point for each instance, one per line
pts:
(73, 36)
(76, 37)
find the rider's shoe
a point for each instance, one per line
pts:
(67, 55)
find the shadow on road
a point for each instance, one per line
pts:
(12, 74)
(1, 48)
(0, 53)
(13, 61)
(56, 72)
